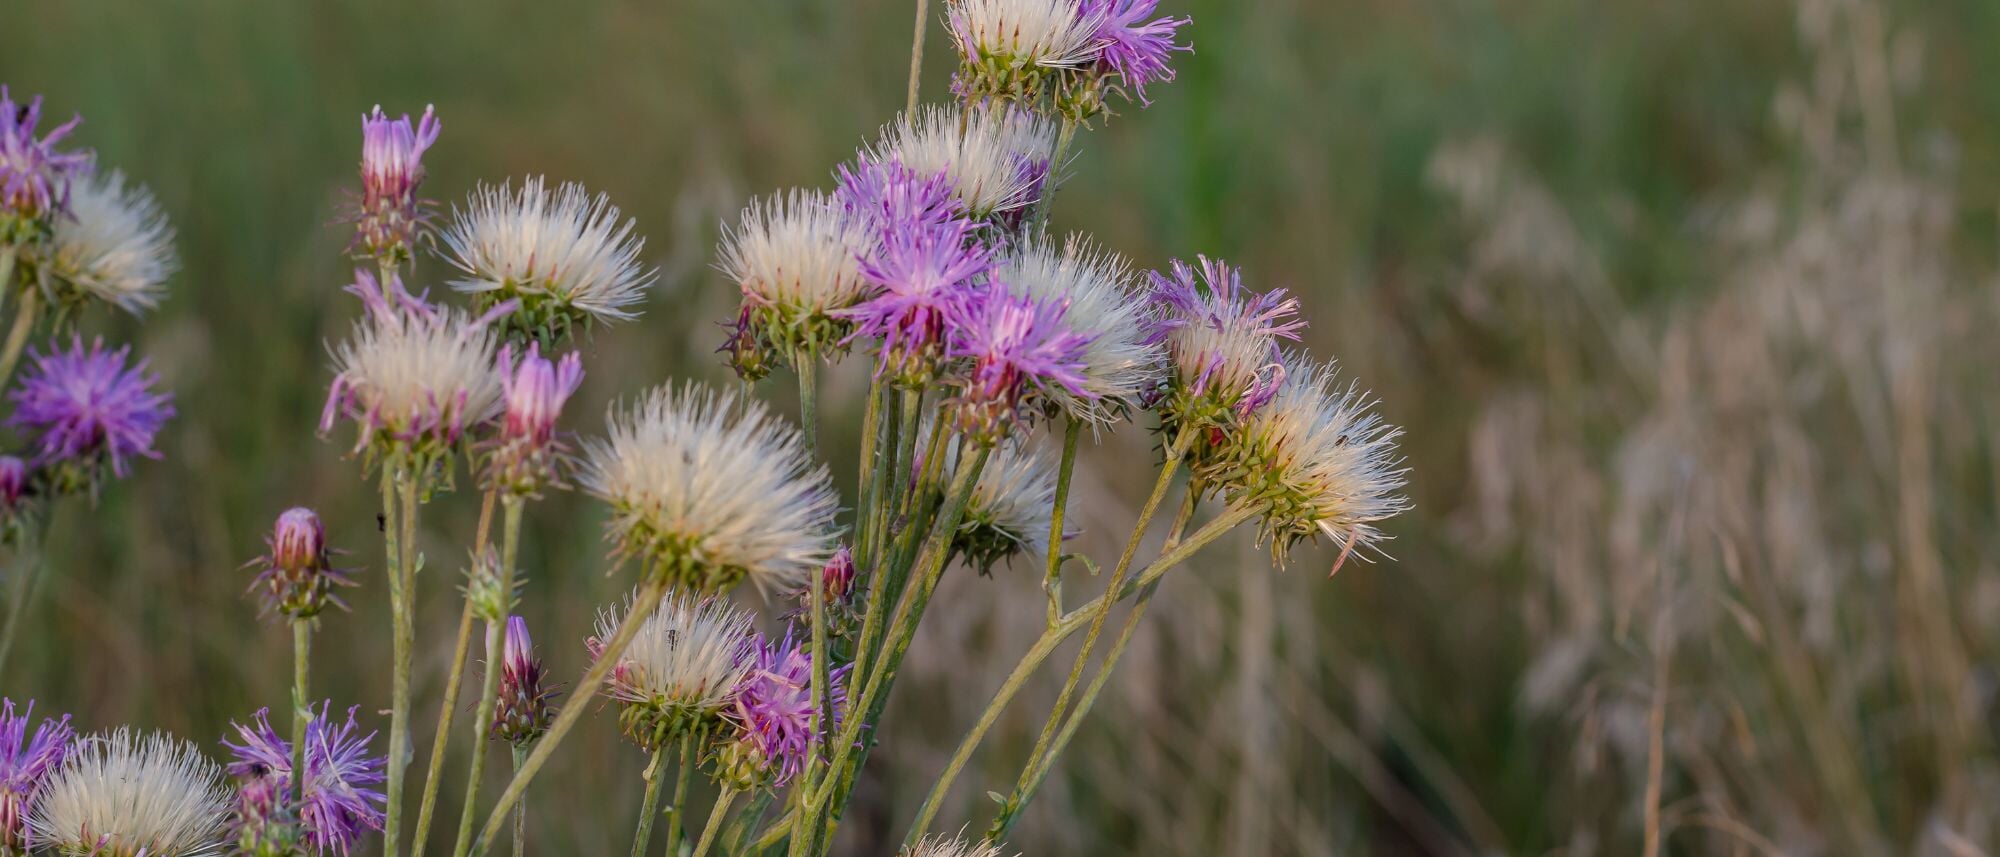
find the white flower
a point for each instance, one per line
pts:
(1101, 303)
(565, 254)
(1314, 459)
(420, 375)
(686, 658)
(115, 244)
(797, 253)
(939, 846)
(719, 486)
(1001, 163)
(120, 795)
(1012, 506)
(1043, 33)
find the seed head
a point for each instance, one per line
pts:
(797, 260)
(1121, 361)
(997, 160)
(1011, 509)
(681, 668)
(569, 258)
(1014, 50)
(121, 794)
(938, 845)
(113, 246)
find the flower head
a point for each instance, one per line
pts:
(708, 490)
(797, 260)
(681, 667)
(121, 794)
(886, 196)
(413, 376)
(1018, 346)
(391, 218)
(996, 160)
(115, 246)
(339, 801)
(774, 714)
(25, 765)
(923, 273)
(571, 259)
(939, 845)
(521, 712)
(1134, 48)
(34, 177)
(297, 579)
(527, 453)
(1121, 361)
(1222, 342)
(1315, 459)
(87, 407)
(1011, 508)
(1012, 49)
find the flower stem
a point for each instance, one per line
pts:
(399, 688)
(715, 816)
(1048, 201)
(580, 697)
(520, 809)
(496, 625)
(17, 336)
(817, 744)
(301, 710)
(1052, 578)
(809, 402)
(677, 814)
(650, 805)
(454, 679)
(917, 55)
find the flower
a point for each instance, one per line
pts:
(1133, 48)
(996, 160)
(338, 801)
(886, 196)
(774, 714)
(796, 259)
(415, 377)
(297, 579)
(1018, 346)
(565, 255)
(939, 846)
(1011, 509)
(681, 667)
(526, 454)
(1222, 341)
(86, 407)
(711, 490)
(1315, 459)
(34, 177)
(521, 712)
(121, 794)
(923, 272)
(1011, 49)
(1121, 361)
(25, 765)
(115, 245)
(391, 217)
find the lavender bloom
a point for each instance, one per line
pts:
(527, 453)
(338, 801)
(1221, 341)
(1017, 345)
(773, 709)
(84, 407)
(391, 218)
(924, 271)
(34, 177)
(888, 196)
(1133, 48)
(521, 713)
(25, 764)
(297, 579)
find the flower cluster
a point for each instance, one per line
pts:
(1070, 53)
(333, 803)
(296, 577)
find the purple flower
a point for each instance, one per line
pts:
(25, 763)
(34, 177)
(521, 713)
(1134, 48)
(338, 802)
(773, 706)
(83, 405)
(298, 577)
(923, 270)
(526, 454)
(392, 166)
(1016, 345)
(1222, 339)
(889, 196)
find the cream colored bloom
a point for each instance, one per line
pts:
(1001, 163)
(122, 795)
(114, 245)
(568, 256)
(686, 658)
(420, 375)
(1101, 303)
(1043, 33)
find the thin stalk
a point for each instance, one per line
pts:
(434, 776)
(650, 806)
(580, 698)
(715, 816)
(774, 834)
(677, 814)
(871, 427)
(301, 675)
(809, 401)
(917, 55)
(1052, 578)
(17, 336)
(820, 684)
(496, 627)
(399, 688)
(520, 810)
(7, 256)
(29, 567)
(1048, 201)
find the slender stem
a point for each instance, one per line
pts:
(774, 834)
(17, 336)
(8, 254)
(29, 566)
(715, 816)
(917, 55)
(399, 688)
(1052, 578)
(496, 626)
(448, 709)
(677, 814)
(820, 684)
(809, 401)
(301, 710)
(580, 697)
(520, 809)
(864, 482)
(1048, 201)
(649, 808)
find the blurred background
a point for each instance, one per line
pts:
(1687, 308)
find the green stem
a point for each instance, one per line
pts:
(774, 834)
(520, 810)
(496, 628)
(871, 428)
(677, 814)
(650, 806)
(580, 697)
(301, 710)
(1052, 577)
(17, 336)
(1048, 200)
(399, 687)
(454, 679)
(820, 681)
(809, 402)
(917, 55)
(7, 257)
(715, 816)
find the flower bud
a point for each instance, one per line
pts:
(527, 454)
(521, 714)
(391, 218)
(298, 578)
